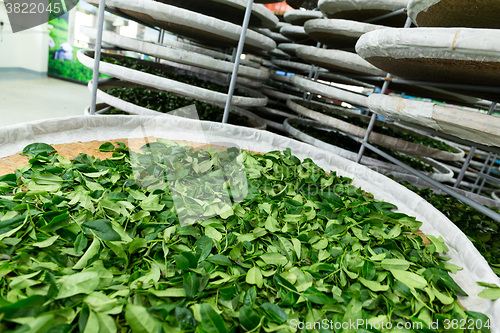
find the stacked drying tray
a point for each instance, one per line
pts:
(186, 71)
(437, 51)
(99, 245)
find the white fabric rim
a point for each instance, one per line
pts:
(432, 43)
(173, 86)
(346, 28)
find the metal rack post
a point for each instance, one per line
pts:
(383, 91)
(487, 174)
(97, 56)
(161, 34)
(461, 175)
(239, 51)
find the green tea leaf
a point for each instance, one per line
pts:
(399, 264)
(372, 285)
(274, 312)
(191, 283)
(410, 279)
(274, 259)
(140, 320)
(203, 247)
(317, 297)
(107, 146)
(219, 259)
(492, 294)
(211, 320)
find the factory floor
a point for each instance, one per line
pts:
(27, 97)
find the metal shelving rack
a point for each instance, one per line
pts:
(313, 74)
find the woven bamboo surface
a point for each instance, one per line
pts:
(461, 13)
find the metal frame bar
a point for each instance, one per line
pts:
(481, 171)
(97, 56)
(487, 175)
(239, 51)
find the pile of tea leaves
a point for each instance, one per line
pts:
(134, 64)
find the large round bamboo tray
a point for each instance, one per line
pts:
(276, 36)
(253, 120)
(363, 10)
(338, 78)
(297, 34)
(279, 26)
(449, 55)
(228, 10)
(338, 33)
(172, 54)
(329, 91)
(289, 48)
(403, 146)
(153, 81)
(455, 13)
(299, 17)
(336, 60)
(278, 95)
(70, 130)
(202, 28)
(441, 172)
(474, 126)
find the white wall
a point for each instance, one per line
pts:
(27, 49)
